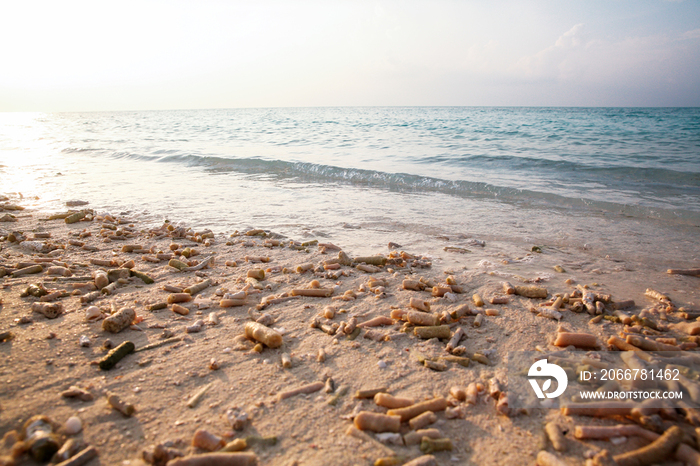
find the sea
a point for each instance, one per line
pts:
(609, 181)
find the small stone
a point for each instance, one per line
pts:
(76, 203)
(92, 313)
(390, 438)
(451, 297)
(84, 341)
(73, 425)
(548, 403)
(237, 418)
(196, 327)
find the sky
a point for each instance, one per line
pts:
(151, 55)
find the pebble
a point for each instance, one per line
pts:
(84, 341)
(76, 203)
(451, 297)
(390, 438)
(237, 418)
(548, 403)
(93, 312)
(73, 425)
(381, 364)
(195, 327)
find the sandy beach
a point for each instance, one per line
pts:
(225, 331)
(359, 233)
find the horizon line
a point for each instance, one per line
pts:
(363, 106)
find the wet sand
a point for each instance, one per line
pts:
(43, 357)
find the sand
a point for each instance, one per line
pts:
(44, 357)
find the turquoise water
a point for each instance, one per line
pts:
(606, 178)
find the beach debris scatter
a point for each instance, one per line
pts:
(397, 356)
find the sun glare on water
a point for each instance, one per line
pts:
(24, 154)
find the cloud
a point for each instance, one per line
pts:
(694, 34)
(571, 38)
(575, 57)
(579, 68)
(556, 61)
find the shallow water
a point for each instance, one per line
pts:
(624, 182)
